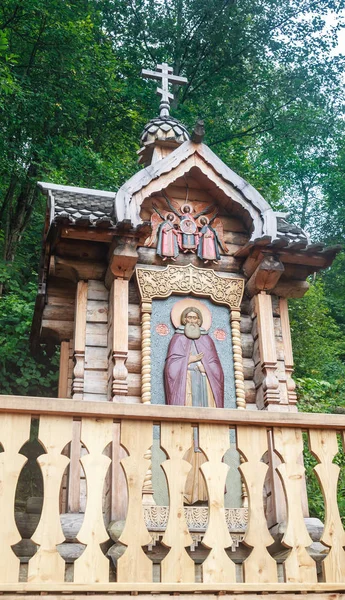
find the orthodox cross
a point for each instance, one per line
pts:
(164, 74)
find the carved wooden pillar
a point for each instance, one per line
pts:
(287, 346)
(267, 344)
(238, 361)
(79, 341)
(146, 310)
(119, 338)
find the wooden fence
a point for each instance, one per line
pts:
(46, 569)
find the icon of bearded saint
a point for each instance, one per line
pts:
(193, 373)
(193, 376)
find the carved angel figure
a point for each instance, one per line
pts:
(210, 238)
(188, 225)
(168, 236)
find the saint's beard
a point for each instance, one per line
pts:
(192, 331)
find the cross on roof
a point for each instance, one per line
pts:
(164, 74)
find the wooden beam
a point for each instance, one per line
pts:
(153, 587)
(154, 412)
(267, 344)
(265, 276)
(119, 338)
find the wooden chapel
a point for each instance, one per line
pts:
(173, 455)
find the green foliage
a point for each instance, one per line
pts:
(319, 347)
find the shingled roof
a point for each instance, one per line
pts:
(79, 206)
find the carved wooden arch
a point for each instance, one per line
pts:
(173, 279)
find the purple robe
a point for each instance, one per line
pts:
(176, 364)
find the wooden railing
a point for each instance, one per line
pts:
(46, 569)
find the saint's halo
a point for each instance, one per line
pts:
(179, 307)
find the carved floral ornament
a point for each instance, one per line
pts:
(190, 280)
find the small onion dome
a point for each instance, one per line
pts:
(160, 137)
(164, 129)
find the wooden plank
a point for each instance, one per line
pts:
(202, 595)
(186, 414)
(299, 566)
(47, 564)
(268, 353)
(177, 566)
(73, 486)
(96, 334)
(228, 264)
(93, 566)
(95, 382)
(96, 358)
(177, 588)
(63, 370)
(97, 311)
(214, 441)
(14, 432)
(134, 565)
(96, 290)
(119, 493)
(324, 446)
(259, 567)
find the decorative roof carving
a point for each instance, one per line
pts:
(164, 129)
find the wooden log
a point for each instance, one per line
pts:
(58, 311)
(247, 343)
(248, 368)
(291, 289)
(246, 324)
(58, 331)
(134, 361)
(227, 264)
(250, 392)
(79, 269)
(134, 337)
(134, 317)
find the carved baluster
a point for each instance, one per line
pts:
(119, 338)
(47, 565)
(79, 340)
(15, 431)
(324, 445)
(238, 361)
(287, 346)
(92, 566)
(177, 566)
(267, 343)
(259, 567)
(146, 309)
(214, 441)
(299, 566)
(134, 565)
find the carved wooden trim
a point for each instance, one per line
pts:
(235, 319)
(173, 279)
(287, 344)
(79, 340)
(190, 280)
(119, 338)
(267, 344)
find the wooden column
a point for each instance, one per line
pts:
(119, 338)
(63, 370)
(238, 360)
(146, 310)
(287, 346)
(79, 341)
(267, 345)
